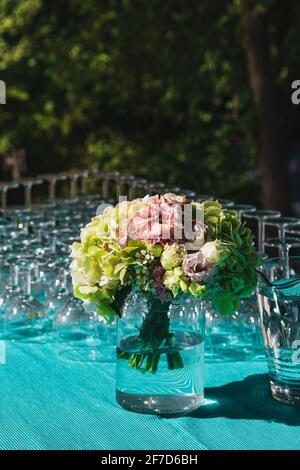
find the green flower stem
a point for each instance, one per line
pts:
(123, 354)
(174, 359)
(154, 334)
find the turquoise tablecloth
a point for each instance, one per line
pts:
(46, 403)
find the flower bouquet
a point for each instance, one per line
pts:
(166, 248)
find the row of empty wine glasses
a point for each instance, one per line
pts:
(40, 282)
(36, 299)
(109, 185)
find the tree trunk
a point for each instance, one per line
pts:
(273, 148)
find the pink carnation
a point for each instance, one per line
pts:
(159, 222)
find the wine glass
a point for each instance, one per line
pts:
(260, 216)
(61, 291)
(84, 174)
(123, 184)
(25, 318)
(75, 330)
(28, 184)
(292, 230)
(137, 185)
(226, 203)
(108, 180)
(241, 209)
(52, 180)
(155, 188)
(4, 188)
(204, 197)
(280, 224)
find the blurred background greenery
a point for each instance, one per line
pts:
(196, 93)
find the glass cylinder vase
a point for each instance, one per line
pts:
(160, 355)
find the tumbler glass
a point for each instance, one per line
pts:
(279, 306)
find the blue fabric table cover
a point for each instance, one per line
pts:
(46, 403)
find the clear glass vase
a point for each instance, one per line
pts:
(160, 355)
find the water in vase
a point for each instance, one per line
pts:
(172, 388)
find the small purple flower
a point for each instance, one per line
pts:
(197, 267)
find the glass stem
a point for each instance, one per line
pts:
(28, 189)
(52, 185)
(73, 186)
(119, 190)
(281, 230)
(261, 236)
(14, 275)
(83, 184)
(65, 281)
(4, 199)
(131, 192)
(24, 281)
(105, 188)
(286, 257)
(54, 244)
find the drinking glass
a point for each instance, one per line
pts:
(172, 189)
(279, 306)
(137, 188)
(52, 180)
(155, 188)
(7, 292)
(75, 331)
(260, 216)
(226, 203)
(4, 188)
(204, 197)
(123, 185)
(292, 230)
(25, 318)
(189, 194)
(28, 184)
(109, 185)
(74, 177)
(282, 245)
(84, 174)
(241, 209)
(236, 337)
(280, 224)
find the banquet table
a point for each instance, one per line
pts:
(48, 403)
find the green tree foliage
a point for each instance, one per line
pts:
(144, 86)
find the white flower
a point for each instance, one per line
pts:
(85, 290)
(211, 250)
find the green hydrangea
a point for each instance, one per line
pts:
(175, 281)
(236, 277)
(172, 256)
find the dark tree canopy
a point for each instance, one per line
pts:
(156, 88)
